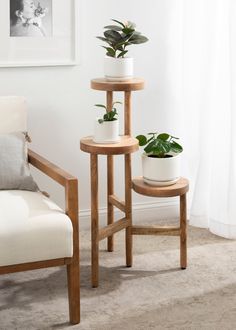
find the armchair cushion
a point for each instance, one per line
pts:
(32, 228)
(14, 167)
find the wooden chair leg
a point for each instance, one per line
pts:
(94, 220)
(183, 231)
(128, 208)
(74, 292)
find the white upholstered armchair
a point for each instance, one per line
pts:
(34, 231)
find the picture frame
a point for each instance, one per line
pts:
(39, 33)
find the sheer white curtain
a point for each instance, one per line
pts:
(209, 112)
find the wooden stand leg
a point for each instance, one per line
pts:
(128, 207)
(110, 208)
(94, 219)
(183, 231)
(110, 183)
(127, 113)
(128, 183)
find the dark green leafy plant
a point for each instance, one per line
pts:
(119, 36)
(109, 115)
(159, 145)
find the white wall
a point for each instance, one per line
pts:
(61, 102)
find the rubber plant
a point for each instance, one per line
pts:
(119, 36)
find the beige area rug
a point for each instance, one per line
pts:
(154, 294)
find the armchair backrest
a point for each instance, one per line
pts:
(13, 114)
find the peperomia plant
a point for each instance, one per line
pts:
(119, 36)
(159, 145)
(109, 115)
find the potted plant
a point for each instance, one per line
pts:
(161, 159)
(106, 129)
(117, 66)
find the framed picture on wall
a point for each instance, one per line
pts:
(38, 32)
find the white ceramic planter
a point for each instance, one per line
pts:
(161, 171)
(106, 132)
(118, 69)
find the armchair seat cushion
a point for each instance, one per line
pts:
(32, 228)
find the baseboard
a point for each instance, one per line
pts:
(142, 212)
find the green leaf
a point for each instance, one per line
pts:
(142, 140)
(165, 146)
(127, 30)
(149, 147)
(113, 27)
(106, 117)
(100, 106)
(122, 53)
(121, 46)
(163, 136)
(151, 138)
(109, 54)
(126, 37)
(114, 20)
(110, 116)
(102, 38)
(160, 148)
(116, 102)
(138, 39)
(175, 147)
(110, 50)
(113, 36)
(100, 121)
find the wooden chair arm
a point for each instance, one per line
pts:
(50, 169)
(70, 183)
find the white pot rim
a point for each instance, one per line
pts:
(119, 58)
(162, 159)
(106, 122)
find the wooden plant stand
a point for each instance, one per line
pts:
(126, 146)
(180, 188)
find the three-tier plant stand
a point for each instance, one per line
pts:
(125, 147)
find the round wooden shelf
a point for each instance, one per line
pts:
(102, 84)
(127, 145)
(179, 188)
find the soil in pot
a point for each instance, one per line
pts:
(154, 156)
